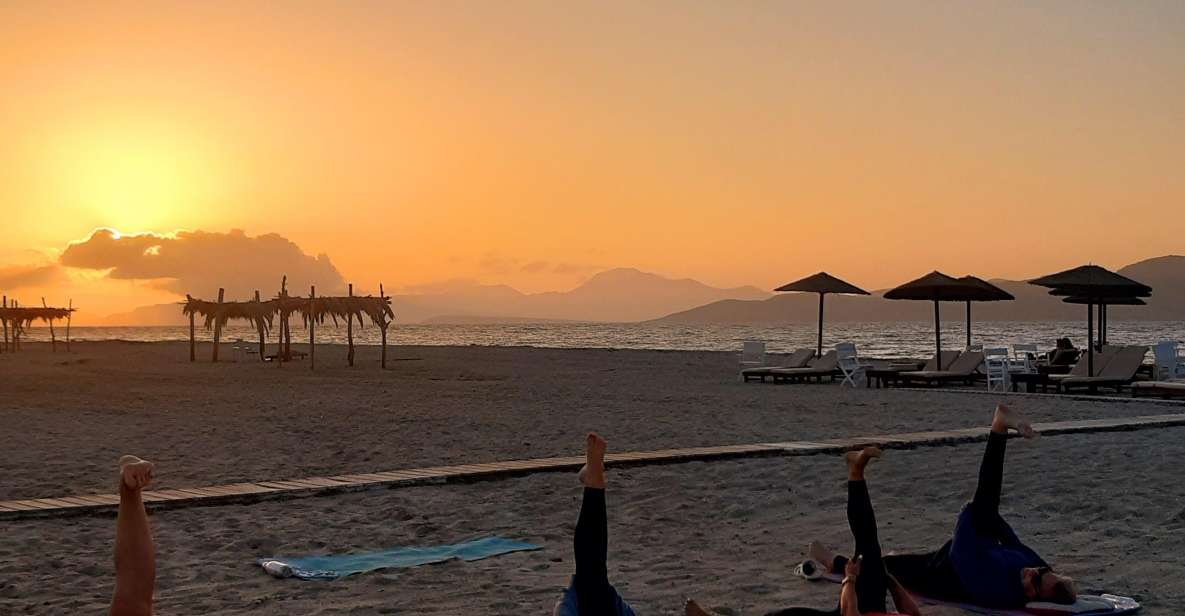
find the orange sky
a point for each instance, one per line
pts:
(531, 143)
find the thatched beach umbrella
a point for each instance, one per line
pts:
(821, 283)
(982, 291)
(1094, 284)
(938, 287)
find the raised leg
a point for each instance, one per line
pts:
(590, 542)
(873, 582)
(986, 502)
(135, 555)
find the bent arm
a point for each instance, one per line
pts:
(903, 599)
(849, 604)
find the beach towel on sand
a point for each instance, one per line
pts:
(1087, 605)
(333, 566)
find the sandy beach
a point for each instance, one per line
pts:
(1105, 508)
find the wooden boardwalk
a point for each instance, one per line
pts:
(239, 493)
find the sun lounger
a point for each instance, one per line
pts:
(962, 369)
(798, 359)
(1163, 389)
(1119, 371)
(1081, 369)
(948, 358)
(826, 366)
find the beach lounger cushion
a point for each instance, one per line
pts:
(1120, 369)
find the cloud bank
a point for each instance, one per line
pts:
(199, 262)
(28, 276)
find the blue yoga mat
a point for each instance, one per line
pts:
(333, 566)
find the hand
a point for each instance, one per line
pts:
(852, 569)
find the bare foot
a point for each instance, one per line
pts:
(819, 553)
(135, 473)
(857, 460)
(1005, 418)
(593, 473)
(691, 608)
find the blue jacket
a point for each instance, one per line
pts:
(989, 560)
(569, 607)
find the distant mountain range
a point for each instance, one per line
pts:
(621, 294)
(628, 295)
(1166, 276)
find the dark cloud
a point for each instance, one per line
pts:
(199, 262)
(23, 276)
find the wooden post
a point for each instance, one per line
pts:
(819, 346)
(192, 342)
(312, 328)
(383, 328)
(1090, 337)
(16, 329)
(968, 325)
(350, 332)
(69, 317)
(218, 324)
(937, 338)
(259, 326)
(53, 338)
(4, 321)
(286, 334)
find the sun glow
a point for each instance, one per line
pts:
(135, 178)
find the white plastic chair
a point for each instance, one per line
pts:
(849, 364)
(753, 354)
(1024, 358)
(1169, 363)
(997, 365)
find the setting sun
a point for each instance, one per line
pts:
(134, 177)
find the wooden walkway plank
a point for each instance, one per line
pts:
(254, 492)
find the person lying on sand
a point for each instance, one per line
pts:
(985, 563)
(590, 593)
(135, 555)
(866, 580)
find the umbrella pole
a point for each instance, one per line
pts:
(1099, 334)
(968, 324)
(819, 350)
(937, 338)
(1105, 322)
(1090, 339)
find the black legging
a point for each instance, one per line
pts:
(986, 503)
(594, 595)
(873, 582)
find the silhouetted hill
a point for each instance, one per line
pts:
(153, 315)
(622, 294)
(1166, 276)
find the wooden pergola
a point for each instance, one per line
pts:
(15, 319)
(313, 310)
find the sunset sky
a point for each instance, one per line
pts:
(535, 143)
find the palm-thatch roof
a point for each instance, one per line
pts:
(822, 283)
(1092, 281)
(986, 291)
(216, 314)
(25, 316)
(262, 313)
(937, 287)
(378, 309)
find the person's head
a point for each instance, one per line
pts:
(1042, 584)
